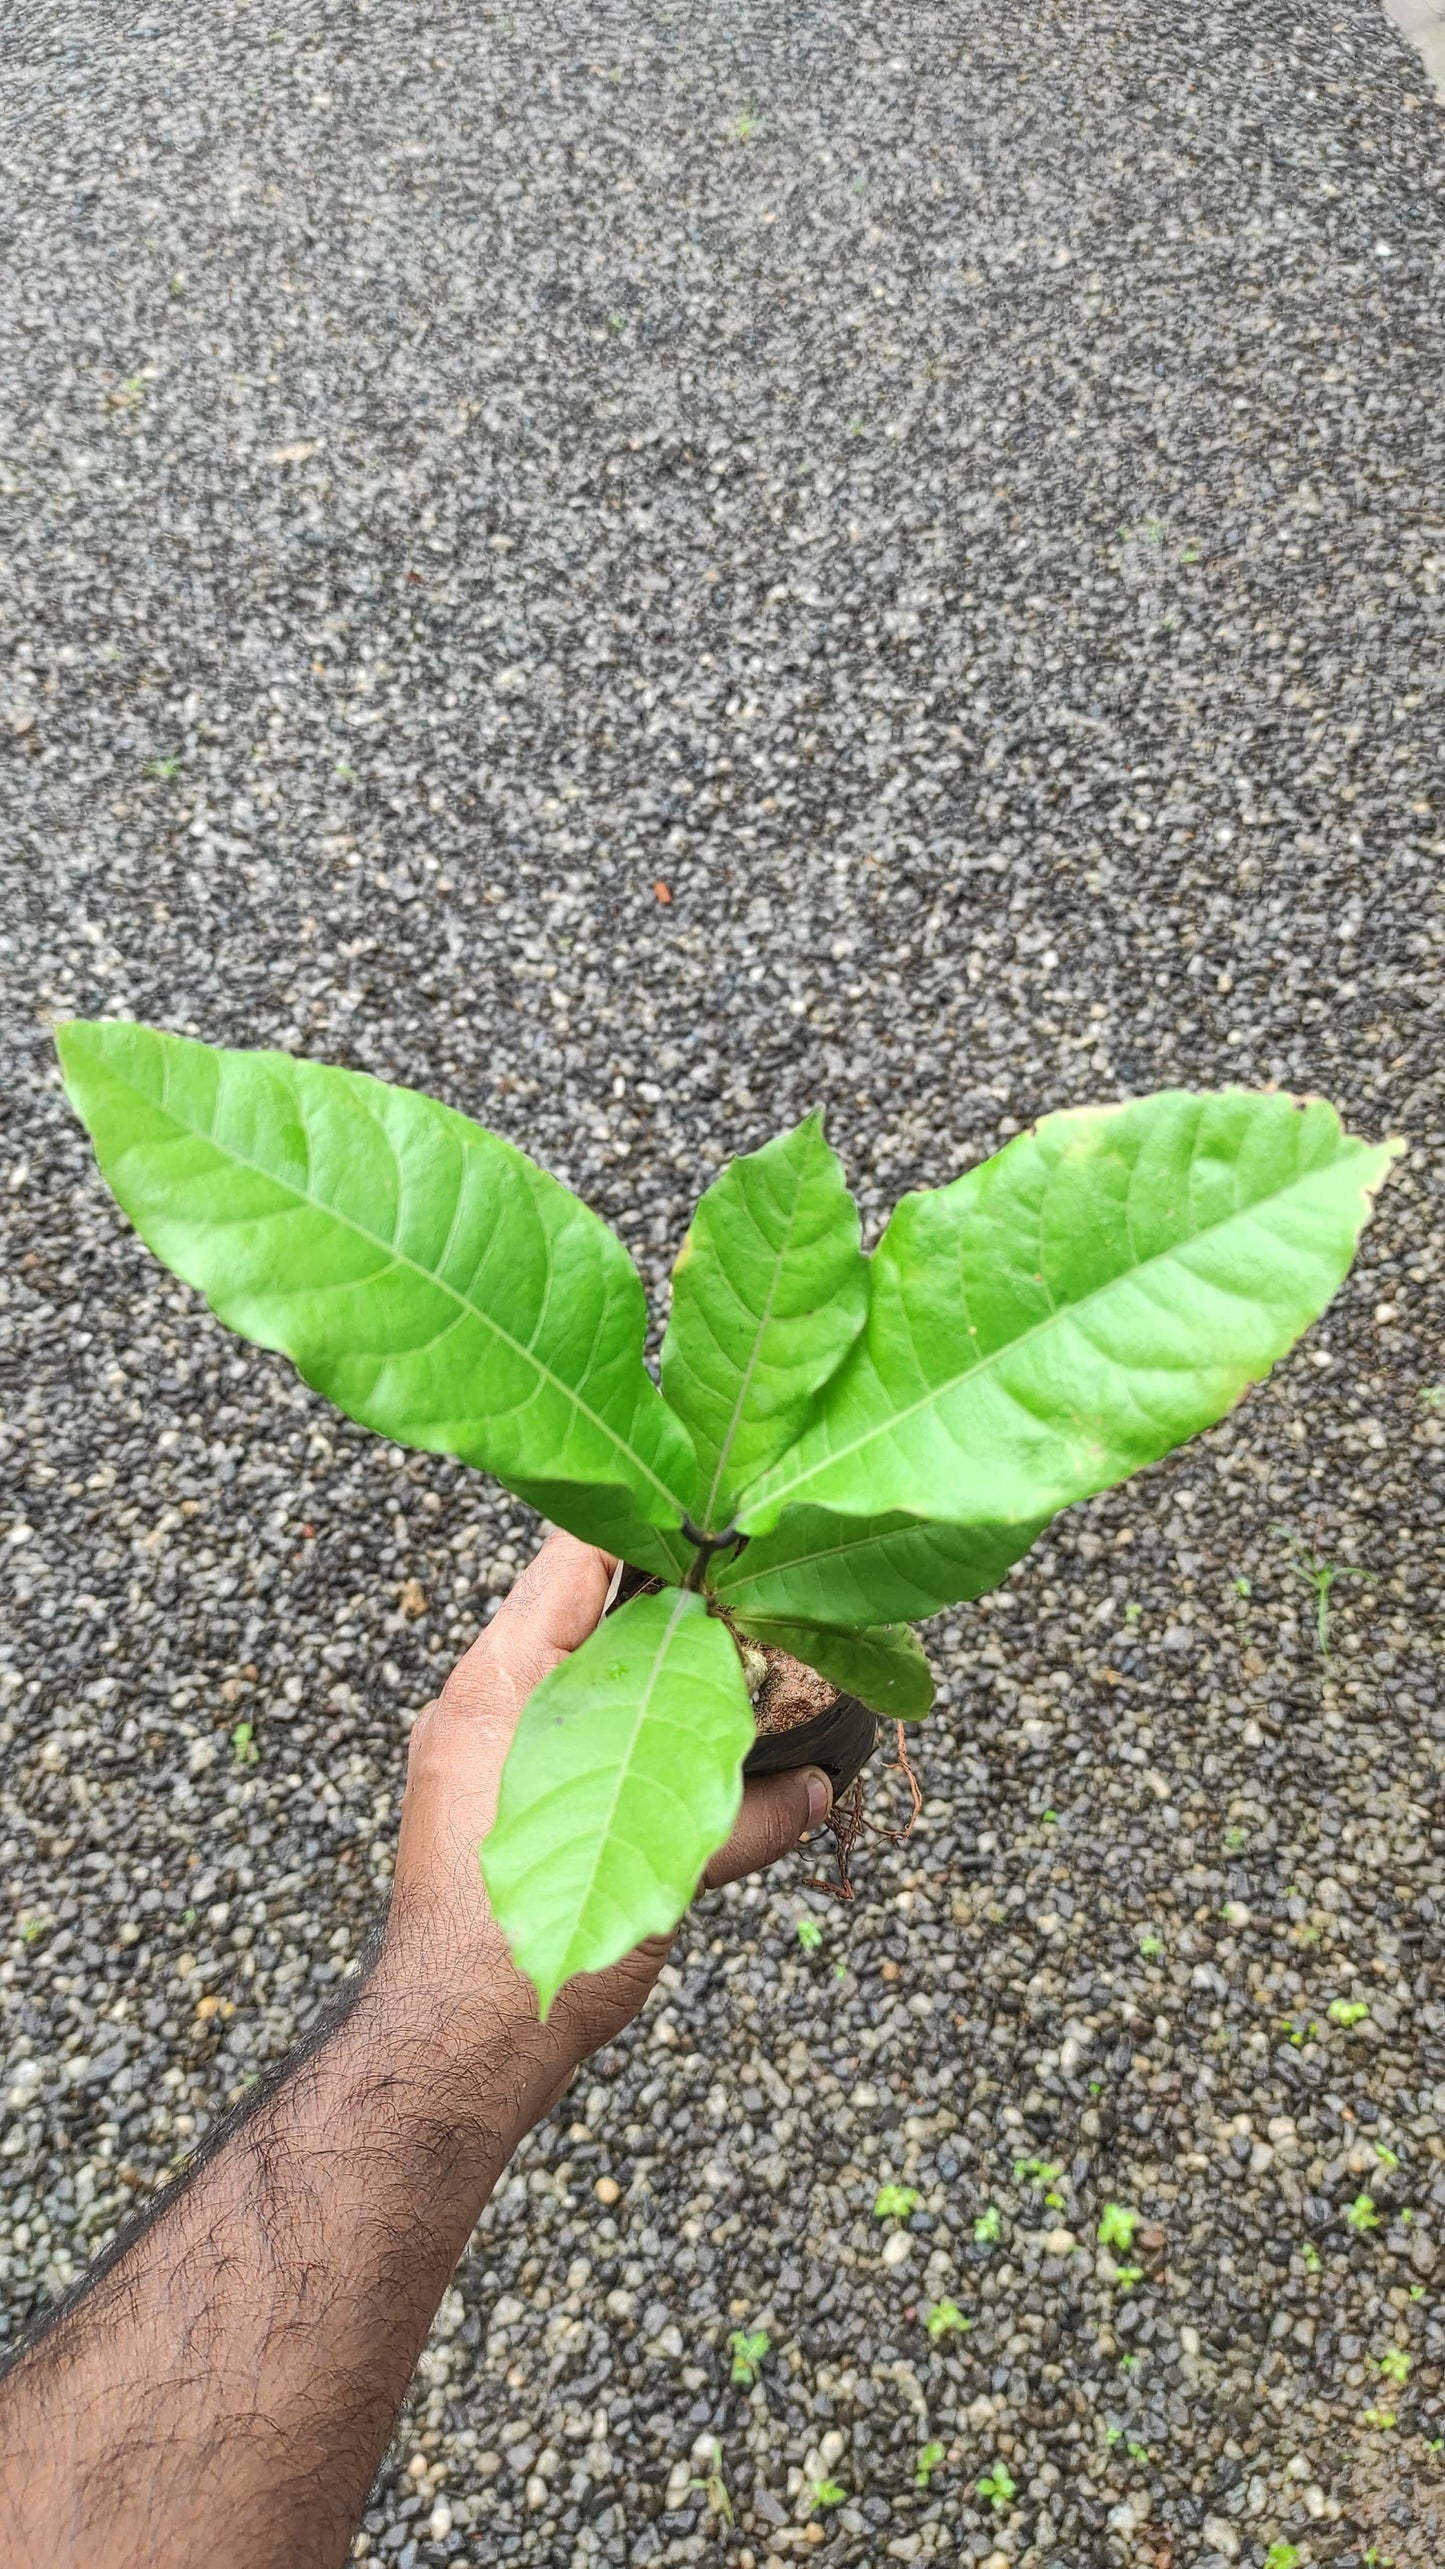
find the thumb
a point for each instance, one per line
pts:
(776, 1810)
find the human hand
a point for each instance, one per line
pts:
(442, 1945)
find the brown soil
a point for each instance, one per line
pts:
(790, 1693)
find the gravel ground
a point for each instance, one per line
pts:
(641, 575)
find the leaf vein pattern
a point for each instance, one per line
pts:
(306, 1197)
(986, 1363)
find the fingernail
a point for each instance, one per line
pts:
(820, 1797)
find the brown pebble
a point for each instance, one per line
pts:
(607, 2190)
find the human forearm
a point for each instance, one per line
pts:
(223, 2388)
(240, 2366)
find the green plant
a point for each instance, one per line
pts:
(163, 769)
(926, 2464)
(988, 2226)
(1362, 2214)
(895, 2202)
(1037, 2171)
(1319, 1576)
(1347, 2011)
(748, 2347)
(1126, 2277)
(1387, 2157)
(1117, 2225)
(1383, 2418)
(945, 2319)
(1283, 2555)
(998, 2486)
(714, 2488)
(1395, 2366)
(829, 2493)
(1311, 2255)
(746, 125)
(243, 1744)
(32, 1929)
(889, 1433)
(1151, 1947)
(810, 1934)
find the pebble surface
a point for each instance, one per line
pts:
(641, 571)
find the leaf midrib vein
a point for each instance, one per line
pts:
(745, 1380)
(399, 1257)
(780, 1490)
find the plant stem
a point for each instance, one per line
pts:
(707, 1545)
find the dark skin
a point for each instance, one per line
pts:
(224, 2387)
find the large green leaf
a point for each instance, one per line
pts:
(623, 1778)
(426, 1276)
(1067, 1312)
(769, 1293)
(884, 1667)
(819, 1568)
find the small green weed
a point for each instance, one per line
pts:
(1383, 2418)
(998, 2487)
(1151, 1946)
(1311, 2255)
(1387, 2157)
(1037, 2172)
(1362, 2214)
(243, 1745)
(32, 1929)
(927, 2463)
(1244, 1587)
(1117, 2225)
(1137, 2453)
(1128, 2363)
(1347, 2012)
(945, 2319)
(1299, 2034)
(988, 2227)
(1395, 2366)
(1126, 2277)
(162, 769)
(1283, 2555)
(1434, 1395)
(829, 2493)
(895, 2202)
(1132, 1613)
(1319, 1575)
(714, 2488)
(748, 2347)
(746, 125)
(810, 1935)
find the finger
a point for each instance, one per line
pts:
(776, 1810)
(554, 1605)
(559, 1597)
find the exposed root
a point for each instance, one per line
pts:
(902, 1764)
(845, 1825)
(848, 1821)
